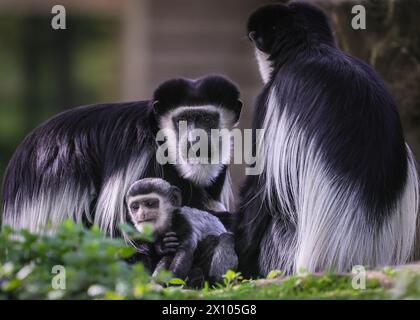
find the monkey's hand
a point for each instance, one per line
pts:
(168, 245)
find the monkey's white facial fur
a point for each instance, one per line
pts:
(152, 210)
(202, 143)
(264, 65)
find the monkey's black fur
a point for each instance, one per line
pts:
(185, 239)
(341, 103)
(148, 253)
(182, 92)
(85, 147)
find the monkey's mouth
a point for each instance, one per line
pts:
(146, 220)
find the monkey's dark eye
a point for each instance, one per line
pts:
(151, 204)
(135, 206)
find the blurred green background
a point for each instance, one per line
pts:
(119, 50)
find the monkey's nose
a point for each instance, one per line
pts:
(147, 217)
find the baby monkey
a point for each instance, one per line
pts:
(188, 237)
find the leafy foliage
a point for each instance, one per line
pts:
(96, 267)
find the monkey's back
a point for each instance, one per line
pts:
(196, 225)
(345, 111)
(339, 186)
(76, 151)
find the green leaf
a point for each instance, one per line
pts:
(127, 252)
(126, 228)
(177, 281)
(230, 275)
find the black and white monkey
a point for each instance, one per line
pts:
(339, 186)
(80, 163)
(178, 231)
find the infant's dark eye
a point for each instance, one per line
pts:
(135, 206)
(151, 204)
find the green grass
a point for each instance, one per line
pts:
(96, 268)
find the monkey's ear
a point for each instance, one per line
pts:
(176, 196)
(155, 107)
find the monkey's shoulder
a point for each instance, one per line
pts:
(181, 225)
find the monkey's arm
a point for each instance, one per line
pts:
(168, 245)
(144, 254)
(183, 259)
(166, 248)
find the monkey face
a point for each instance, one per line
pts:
(199, 147)
(144, 210)
(152, 201)
(193, 127)
(195, 112)
(148, 210)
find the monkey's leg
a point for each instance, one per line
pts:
(163, 264)
(224, 257)
(195, 278)
(182, 262)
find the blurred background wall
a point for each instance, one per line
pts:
(119, 50)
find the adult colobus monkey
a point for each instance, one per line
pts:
(339, 186)
(81, 163)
